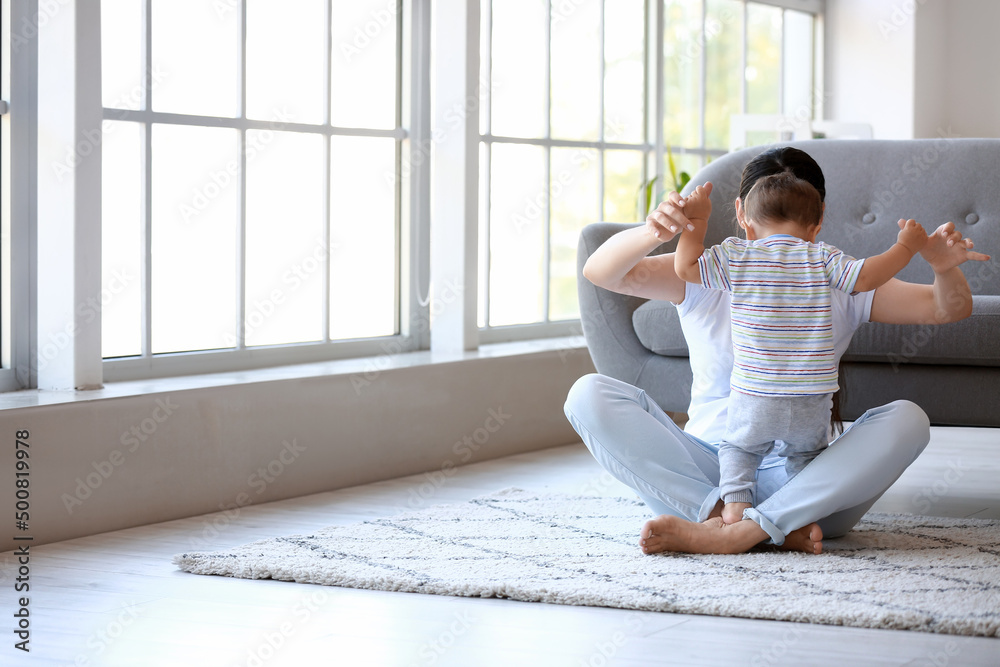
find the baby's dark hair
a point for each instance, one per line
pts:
(784, 196)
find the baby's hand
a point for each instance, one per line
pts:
(697, 205)
(911, 235)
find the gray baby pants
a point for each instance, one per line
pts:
(754, 423)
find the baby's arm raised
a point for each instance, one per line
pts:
(880, 269)
(691, 245)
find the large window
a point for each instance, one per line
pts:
(266, 166)
(581, 122)
(250, 197)
(563, 145)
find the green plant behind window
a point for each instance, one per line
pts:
(648, 197)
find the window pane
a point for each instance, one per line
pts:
(682, 52)
(622, 178)
(576, 69)
(363, 237)
(575, 192)
(195, 216)
(363, 76)
(285, 252)
(121, 53)
(485, 48)
(195, 46)
(121, 239)
(723, 49)
(484, 234)
(684, 163)
(518, 81)
(763, 72)
(285, 59)
(518, 200)
(624, 70)
(798, 59)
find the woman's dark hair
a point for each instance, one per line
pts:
(783, 159)
(784, 196)
(801, 164)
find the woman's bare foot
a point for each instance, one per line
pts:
(808, 539)
(670, 533)
(713, 536)
(733, 512)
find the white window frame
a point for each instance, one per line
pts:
(815, 7)
(411, 218)
(653, 146)
(17, 241)
(546, 328)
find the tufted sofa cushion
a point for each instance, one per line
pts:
(975, 341)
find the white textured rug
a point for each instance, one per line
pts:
(892, 571)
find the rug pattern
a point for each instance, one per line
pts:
(893, 571)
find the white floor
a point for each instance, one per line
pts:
(116, 599)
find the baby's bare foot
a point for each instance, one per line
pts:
(733, 512)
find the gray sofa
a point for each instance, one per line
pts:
(952, 371)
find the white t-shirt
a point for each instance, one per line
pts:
(704, 316)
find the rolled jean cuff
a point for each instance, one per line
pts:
(710, 502)
(777, 537)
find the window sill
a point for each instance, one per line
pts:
(365, 368)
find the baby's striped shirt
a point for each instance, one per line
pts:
(781, 318)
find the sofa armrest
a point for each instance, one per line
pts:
(607, 316)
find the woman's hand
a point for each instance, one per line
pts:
(946, 249)
(670, 217)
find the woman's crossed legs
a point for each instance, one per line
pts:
(677, 474)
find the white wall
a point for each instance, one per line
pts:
(869, 66)
(154, 455)
(931, 64)
(914, 68)
(973, 69)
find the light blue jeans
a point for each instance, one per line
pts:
(676, 473)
